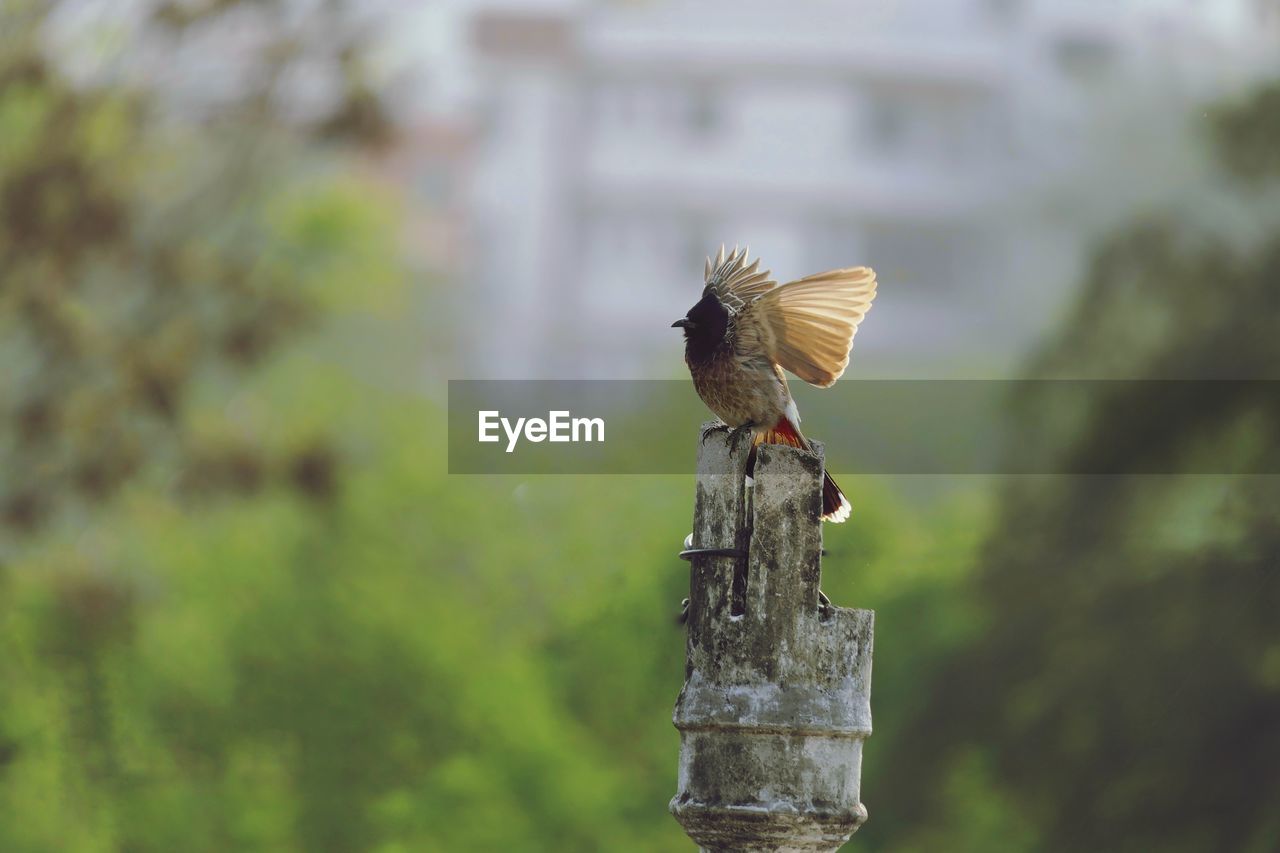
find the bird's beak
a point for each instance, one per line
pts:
(683, 323)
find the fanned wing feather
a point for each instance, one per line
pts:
(813, 321)
(807, 325)
(735, 282)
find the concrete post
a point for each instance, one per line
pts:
(776, 700)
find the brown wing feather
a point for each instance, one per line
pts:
(813, 321)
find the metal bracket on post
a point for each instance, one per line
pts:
(777, 693)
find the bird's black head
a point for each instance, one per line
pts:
(704, 327)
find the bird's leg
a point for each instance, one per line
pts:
(738, 433)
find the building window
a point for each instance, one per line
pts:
(652, 108)
(1005, 11)
(702, 111)
(1083, 56)
(887, 124)
(930, 128)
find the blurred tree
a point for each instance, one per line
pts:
(1125, 693)
(136, 253)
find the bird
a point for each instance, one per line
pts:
(747, 328)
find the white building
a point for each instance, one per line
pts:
(622, 142)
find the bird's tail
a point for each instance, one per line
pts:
(835, 506)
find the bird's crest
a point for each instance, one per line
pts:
(735, 282)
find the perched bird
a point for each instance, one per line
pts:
(747, 328)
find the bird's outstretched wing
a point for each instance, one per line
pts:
(735, 283)
(812, 321)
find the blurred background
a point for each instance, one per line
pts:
(243, 244)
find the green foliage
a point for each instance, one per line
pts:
(1122, 695)
(1245, 134)
(144, 253)
(424, 662)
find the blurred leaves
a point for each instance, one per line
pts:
(1246, 132)
(139, 253)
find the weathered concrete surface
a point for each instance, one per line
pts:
(776, 701)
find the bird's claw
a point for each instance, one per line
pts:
(715, 427)
(825, 607)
